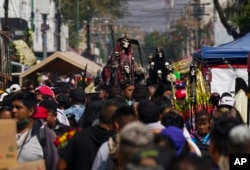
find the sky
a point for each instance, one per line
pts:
(148, 15)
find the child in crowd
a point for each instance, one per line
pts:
(202, 124)
(5, 112)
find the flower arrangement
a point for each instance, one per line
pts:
(85, 83)
(62, 141)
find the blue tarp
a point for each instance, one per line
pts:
(233, 52)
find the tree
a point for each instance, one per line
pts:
(235, 17)
(110, 9)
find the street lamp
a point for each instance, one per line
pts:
(44, 10)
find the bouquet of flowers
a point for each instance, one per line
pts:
(84, 83)
(62, 141)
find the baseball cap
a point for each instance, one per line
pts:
(14, 88)
(227, 100)
(41, 113)
(45, 90)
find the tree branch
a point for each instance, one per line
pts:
(224, 20)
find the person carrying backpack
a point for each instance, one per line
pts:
(34, 139)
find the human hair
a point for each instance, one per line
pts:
(227, 111)
(50, 106)
(140, 93)
(202, 115)
(215, 98)
(163, 103)
(28, 98)
(220, 133)
(122, 113)
(225, 94)
(92, 111)
(63, 100)
(239, 138)
(7, 100)
(148, 111)
(161, 88)
(172, 118)
(114, 91)
(108, 110)
(240, 84)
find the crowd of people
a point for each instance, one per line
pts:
(126, 127)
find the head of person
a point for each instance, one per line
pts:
(5, 112)
(151, 158)
(226, 111)
(107, 112)
(133, 138)
(23, 107)
(164, 89)
(148, 111)
(44, 92)
(122, 116)
(127, 88)
(239, 138)
(215, 98)
(63, 101)
(219, 148)
(240, 84)
(172, 118)
(176, 135)
(51, 108)
(41, 113)
(29, 85)
(77, 96)
(164, 103)
(152, 88)
(14, 88)
(227, 100)
(140, 93)
(202, 122)
(92, 111)
(103, 91)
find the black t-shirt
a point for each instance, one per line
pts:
(82, 148)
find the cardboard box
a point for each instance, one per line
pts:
(8, 150)
(35, 165)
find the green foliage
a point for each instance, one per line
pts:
(243, 18)
(88, 9)
(235, 17)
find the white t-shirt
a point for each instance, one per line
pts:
(31, 149)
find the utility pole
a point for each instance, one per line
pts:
(6, 16)
(44, 26)
(77, 22)
(5, 65)
(198, 13)
(59, 23)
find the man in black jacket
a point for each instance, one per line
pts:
(80, 152)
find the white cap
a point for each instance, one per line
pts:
(14, 88)
(2, 96)
(227, 100)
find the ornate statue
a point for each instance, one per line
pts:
(121, 64)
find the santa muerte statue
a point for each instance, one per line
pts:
(159, 68)
(121, 65)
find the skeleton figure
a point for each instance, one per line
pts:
(167, 65)
(126, 69)
(159, 73)
(159, 76)
(152, 64)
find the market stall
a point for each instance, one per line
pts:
(62, 63)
